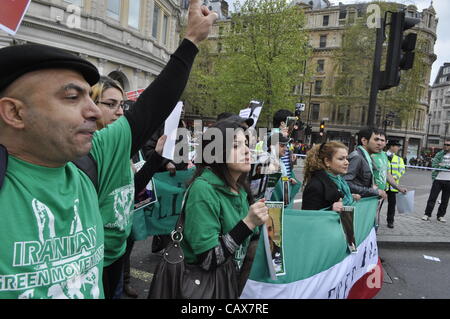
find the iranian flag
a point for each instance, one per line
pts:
(317, 261)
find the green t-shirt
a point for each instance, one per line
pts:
(212, 209)
(116, 191)
(381, 164)
(51, 233)
(51, 230)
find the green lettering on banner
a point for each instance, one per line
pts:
(160, 218)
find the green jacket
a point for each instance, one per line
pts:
(437, 159)
(212, 209)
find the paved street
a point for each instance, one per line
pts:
(407, 273)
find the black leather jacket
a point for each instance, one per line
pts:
(359, 176)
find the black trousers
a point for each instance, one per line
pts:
(111, 277)
(436, 188)
(392, 202)
(127, 261)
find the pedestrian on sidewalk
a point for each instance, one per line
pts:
(441, 182)
(396, 169)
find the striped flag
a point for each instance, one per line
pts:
(318, 263)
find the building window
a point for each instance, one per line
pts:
(315, 111)
(341, 114)
(156, 11)
(165, 29)
(360, 12)
(320, 65)
(363, 115)
(342, 14)
(351, 17)
(333, 114)
(448, 115)
(318, 87)
(113, 9)
(326, 20)
(75, 2)
(446, 70)
(323, 41)
(133, 13)
(443, 80)
(184, 4)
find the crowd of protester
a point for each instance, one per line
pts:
(69, 145)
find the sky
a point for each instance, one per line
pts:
(442, 7)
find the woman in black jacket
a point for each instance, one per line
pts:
(324, 186)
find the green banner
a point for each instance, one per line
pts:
(314, 241)
(160, 218)
(277, 195)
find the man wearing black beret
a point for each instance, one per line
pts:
(51, 231)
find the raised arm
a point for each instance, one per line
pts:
(159, 99)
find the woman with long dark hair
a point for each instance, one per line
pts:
(220, 213)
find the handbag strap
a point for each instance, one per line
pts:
(177, 234)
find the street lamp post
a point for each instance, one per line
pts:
(309, 111)
(388, 121)
(428, 130)
(445, 134)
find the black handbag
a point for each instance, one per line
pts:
(175, 279)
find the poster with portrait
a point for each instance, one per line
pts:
(273, 239)
(148, 195)
(258, 181)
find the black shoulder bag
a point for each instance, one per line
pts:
(175, 279)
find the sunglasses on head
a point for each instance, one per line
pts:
(446, 144)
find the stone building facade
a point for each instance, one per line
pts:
(439, 116)
(129, 40)
(326, 24)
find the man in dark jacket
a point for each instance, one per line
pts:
(360, 171)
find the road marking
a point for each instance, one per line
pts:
(141, 275)
(431, 258)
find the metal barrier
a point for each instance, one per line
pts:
(408, 166)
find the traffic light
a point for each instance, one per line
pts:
(308, 130)
(400, 51)
(322, 128)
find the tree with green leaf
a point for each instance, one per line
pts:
(353, 72)
(263, 52)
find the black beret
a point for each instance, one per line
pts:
(18, 60)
